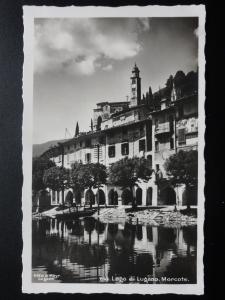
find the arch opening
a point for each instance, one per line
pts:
(113, 197)
(149, 196)
(139, 196)
(99, 123)
(126, 197)
(89, 197)
(100, 196)
(167, 196)
(69, 198)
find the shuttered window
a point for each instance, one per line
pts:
(142, 145)
(111, 151)
(181, 136)
(88, 157)
(125, 149)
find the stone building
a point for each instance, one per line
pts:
(175, 128)
(154, 126)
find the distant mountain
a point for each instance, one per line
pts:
(39, 149)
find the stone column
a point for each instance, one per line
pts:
(179, 194)
(119, 201)
(154, 195)
(106, 195)
(144, 194)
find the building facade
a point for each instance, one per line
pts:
(154, 126)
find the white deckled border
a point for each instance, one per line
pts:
(31, 12)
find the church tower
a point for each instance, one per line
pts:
(135, 87)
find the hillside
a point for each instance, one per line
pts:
(39, 149)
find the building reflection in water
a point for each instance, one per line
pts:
(88, 250)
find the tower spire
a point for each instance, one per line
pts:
(77, 130)
(135, 87)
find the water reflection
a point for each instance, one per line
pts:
(91, 251)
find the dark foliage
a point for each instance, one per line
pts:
(57, 178)
(182, 168)
(128, 171)
(88, 176)
(39, 166)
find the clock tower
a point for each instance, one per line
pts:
(135, 87)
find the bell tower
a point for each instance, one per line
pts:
(135, 87)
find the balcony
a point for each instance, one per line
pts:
(162, 128)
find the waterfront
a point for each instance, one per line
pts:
(91, 251)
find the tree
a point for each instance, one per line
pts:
(169, 83)
(57, 179)
(77, 129)
(39, 166)
(88, 176)
(150, 95)
(191, 82)
(179, 79)
(182, 168)
(127, 172)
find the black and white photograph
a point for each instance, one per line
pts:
(113, 139)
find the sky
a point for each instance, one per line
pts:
(80, 62)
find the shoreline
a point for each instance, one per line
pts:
(149, 216)
(154, 217)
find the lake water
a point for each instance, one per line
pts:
(94, 252)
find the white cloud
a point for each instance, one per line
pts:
(79, 45)
(107, 68)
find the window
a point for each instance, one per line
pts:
(99, 122)
(68, 158)
(181, 136)
(142, 145)
(133, 80)
(171, 143)
(88, 157)
(156, 123)
(125, 149)
(80, 143)
(192, 135)
(111, 151)
(149, 158)
(156, 146)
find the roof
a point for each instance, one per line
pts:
(173, 103)
(92, 133)
(113, 103)
(127, 110)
